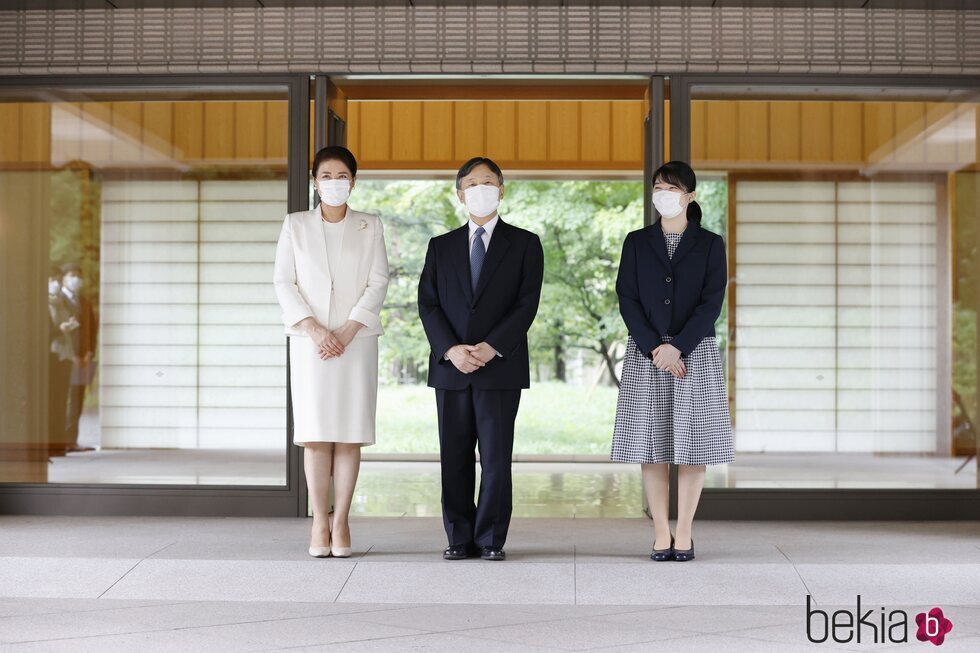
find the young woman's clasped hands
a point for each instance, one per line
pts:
(668, 357)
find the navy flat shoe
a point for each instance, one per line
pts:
(685, 554)
(660, 555)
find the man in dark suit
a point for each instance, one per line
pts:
(83, 333)
(59, 362)
(478, 295)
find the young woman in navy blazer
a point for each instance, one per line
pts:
(673, 403)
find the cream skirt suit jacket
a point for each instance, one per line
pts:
(334, 400)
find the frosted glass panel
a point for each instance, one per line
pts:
(139, 231)
(199, 362)
(836, 346)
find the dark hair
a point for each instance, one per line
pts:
(335, 153)
(71, 267)
(474, 162)
(680, 174)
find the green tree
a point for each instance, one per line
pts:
(582, 225)
(412, 212)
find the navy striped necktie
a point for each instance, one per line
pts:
(477, 255)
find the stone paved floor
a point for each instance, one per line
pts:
(228, 584)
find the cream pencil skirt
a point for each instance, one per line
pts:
(334, 400)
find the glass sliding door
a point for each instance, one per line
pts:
(852, 303)
(142, 342)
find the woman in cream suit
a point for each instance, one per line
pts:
(331, 277)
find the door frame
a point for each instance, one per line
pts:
(288, 500)
(819, 503)
(291, 499)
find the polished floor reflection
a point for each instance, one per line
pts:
(570, 490)
(552, 489)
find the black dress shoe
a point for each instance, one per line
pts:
(493, 553)
(683, 555)
(660, 555)
(458, 552)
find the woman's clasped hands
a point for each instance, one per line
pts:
(668, 357)
(331, 343)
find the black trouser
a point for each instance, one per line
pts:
(76, 401)
(59, 376)
(467, 418)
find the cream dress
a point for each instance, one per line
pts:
(335, 400)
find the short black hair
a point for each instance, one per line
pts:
(71, 267)
(474, 162)
(335, 153)
(677, 173)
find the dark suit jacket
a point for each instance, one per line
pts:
(499, 313)
(679, 296)
(84, 337)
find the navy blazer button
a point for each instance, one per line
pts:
(666, 301)
(668, 279)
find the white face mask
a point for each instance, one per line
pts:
(667, 203)
(481, 200)
(334, 191)
(73, 284)
(54, 287)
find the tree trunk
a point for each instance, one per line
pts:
(560, 362)
(610, 362)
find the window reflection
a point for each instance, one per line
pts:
(144, 230)
(852, 303)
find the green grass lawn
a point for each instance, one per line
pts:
(554, 418)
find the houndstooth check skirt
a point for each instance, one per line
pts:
(663, 419)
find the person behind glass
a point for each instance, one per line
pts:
(61, 354)
(82, 330)
(478, 295)
(331, 278)
(673, 403)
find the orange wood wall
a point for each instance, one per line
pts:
(836, 134)
(520, 134)
(107, 134)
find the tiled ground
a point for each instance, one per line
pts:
(213, 584)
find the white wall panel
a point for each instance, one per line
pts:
(836, 346)
(753, 275)
(193, 354)
(785, 293)
(759, 379)
(787, 316)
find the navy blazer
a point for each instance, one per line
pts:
(499, 312)
(680, 296)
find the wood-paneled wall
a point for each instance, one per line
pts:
(112, 134)
(784, 134)
(520, 134)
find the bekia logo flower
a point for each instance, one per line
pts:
(881, 626)
(933, 626)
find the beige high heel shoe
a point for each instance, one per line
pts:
(323, 551)
(339, 551)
